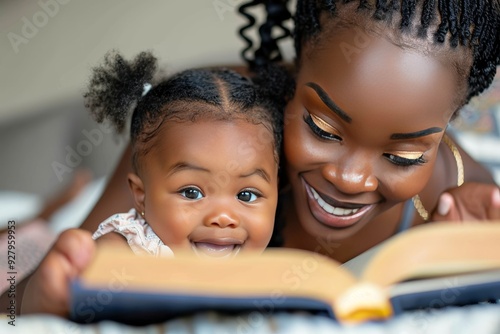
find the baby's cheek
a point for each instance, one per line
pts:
(261, 235)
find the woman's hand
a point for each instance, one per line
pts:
(471, 201)
(48, 289)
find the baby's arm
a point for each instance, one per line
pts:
(116, 198)
(47, 291)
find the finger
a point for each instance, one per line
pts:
(446, 209)
(494, 209)
(78, 247)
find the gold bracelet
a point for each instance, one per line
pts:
(417, 203)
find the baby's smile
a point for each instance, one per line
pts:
(217, 248)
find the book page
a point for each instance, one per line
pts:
(291, 273)
(436, 249)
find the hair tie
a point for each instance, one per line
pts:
(147, 86)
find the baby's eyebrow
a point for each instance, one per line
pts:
(329, 102)
(180, 166)
(260, 172)
(416, 134)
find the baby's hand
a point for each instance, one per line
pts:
(48, 288)
(471, 201)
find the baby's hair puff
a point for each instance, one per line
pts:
(117, 85)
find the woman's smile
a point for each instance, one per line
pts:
(332, 212)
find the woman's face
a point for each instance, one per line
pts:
(363, 129)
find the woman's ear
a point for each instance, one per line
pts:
(137, 187)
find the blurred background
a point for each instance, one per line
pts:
(47, 49)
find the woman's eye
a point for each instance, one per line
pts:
(191, 193)
(247, 196)
(405, 162)
(320, 127)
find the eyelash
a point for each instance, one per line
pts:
(183, 193)
(253, 193)
(394, 159)
(404, 162)
(320, 132)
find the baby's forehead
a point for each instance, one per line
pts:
(209, 142)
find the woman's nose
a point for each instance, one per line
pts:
(351, 176)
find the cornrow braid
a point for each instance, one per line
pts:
(220, 94)
(427, 17)
(407, 11)
(471, 23)
(381, 10)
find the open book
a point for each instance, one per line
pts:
(429, 266)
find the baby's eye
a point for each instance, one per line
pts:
(321, 128)
(410, 159)
(191, 193)
(247, 196)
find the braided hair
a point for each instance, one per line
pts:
(471, 23)
(277, 15)
(116, 89)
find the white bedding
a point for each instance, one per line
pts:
(482, 319)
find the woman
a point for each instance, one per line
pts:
(376, 85)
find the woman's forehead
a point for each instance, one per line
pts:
(377, 48)
(376, 74)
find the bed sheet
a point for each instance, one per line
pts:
(483, 318)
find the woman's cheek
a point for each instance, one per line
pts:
(299, 145)
(406, 185)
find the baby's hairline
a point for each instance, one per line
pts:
(142, 149)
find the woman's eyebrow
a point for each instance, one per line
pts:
(329, 102)
(416, 134)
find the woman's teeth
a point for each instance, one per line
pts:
(331, 209)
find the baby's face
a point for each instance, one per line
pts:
(210, 187)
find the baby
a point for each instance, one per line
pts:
(205, 147)
(205, 153)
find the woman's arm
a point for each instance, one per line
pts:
(477, 199)
(116, 196)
